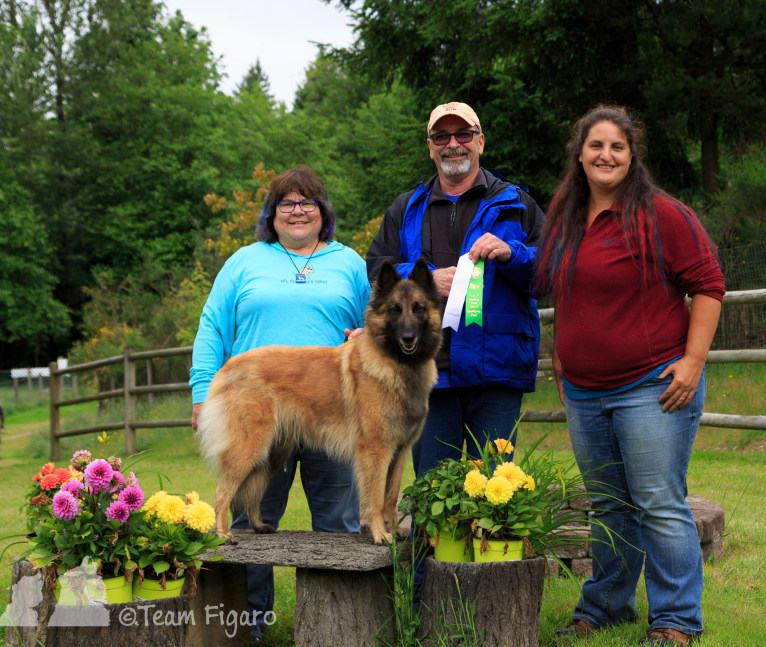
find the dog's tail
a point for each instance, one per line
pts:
(212, 429)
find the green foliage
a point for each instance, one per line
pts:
(437, 501)
(185, 306)
(692, 70)
(29, 311)
(361, 241)
(738, 213)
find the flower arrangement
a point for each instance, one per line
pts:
(92, 513)
(437, 501)
(174, 532)
(495, 497)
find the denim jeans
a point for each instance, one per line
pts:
(331, 493)
(627, 447)
(490, 410)
(486, 410)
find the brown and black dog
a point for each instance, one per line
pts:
(364, 401)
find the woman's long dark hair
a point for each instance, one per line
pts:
(568, 210)
(304, 180)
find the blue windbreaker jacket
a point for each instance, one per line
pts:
(504, 350)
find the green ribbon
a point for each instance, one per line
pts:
(475, 294)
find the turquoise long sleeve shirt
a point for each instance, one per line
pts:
(255, 301)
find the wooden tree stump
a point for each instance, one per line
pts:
(342, 598)
(342, 608)
(507, 598)
(155, 623)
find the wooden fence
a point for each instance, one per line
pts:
(130, 391)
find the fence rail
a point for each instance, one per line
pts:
(130, 390)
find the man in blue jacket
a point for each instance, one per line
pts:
(483, 369)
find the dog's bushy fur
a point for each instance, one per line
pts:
(364, 401)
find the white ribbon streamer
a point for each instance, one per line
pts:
(456, 297)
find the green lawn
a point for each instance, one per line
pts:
(727, 466)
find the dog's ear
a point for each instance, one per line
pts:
(388, 277)
(422, 276)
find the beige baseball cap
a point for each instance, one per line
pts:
(462, 110)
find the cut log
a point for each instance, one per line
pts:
(154, 623)
(506, 599)
(342, 608)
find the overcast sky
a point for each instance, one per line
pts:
(278, 32)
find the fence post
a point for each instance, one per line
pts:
(16, 389)
(130, 401)
(149, 378)
(53, 388)
(29, 382)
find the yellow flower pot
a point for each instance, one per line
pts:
(93, 589)
(152, 589)
(450, 549)
(498, 550)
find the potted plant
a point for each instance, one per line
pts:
(504, 504)
(92, 518)
(436, 502)
(174, 532)
(527, 506)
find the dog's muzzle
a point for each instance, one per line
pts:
(408, 346)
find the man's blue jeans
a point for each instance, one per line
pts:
(331, 493)
(486, 410)
(626, 446)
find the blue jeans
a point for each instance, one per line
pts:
(330, 490)
(626, 446)
(486, 410)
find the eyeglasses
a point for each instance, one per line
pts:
(461, 137)
(288, 206)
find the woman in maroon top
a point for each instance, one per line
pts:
(620, 255)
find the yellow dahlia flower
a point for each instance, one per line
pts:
(171, 509)
(150, 505)
(498, 490)
(513, 473)
(192, 497)
(200, 516)
(474, 483)
(530, 484)
(503, 446)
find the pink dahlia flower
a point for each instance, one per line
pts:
(65, 506)
(99, 475)
(119, 511)
(133, 497)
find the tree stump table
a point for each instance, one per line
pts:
(507, 598)
(342, 594)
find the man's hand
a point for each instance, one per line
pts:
(196, 408)
(490, 247)
(443, 279)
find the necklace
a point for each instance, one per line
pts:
(300, 275)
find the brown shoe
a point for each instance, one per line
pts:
(663, 636)
(577, 629)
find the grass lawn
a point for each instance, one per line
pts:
(727, 466)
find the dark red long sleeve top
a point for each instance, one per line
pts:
(613, 326)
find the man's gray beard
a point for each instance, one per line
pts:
(454, 167)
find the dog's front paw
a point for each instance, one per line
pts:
(382, 537)
(228, 536)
